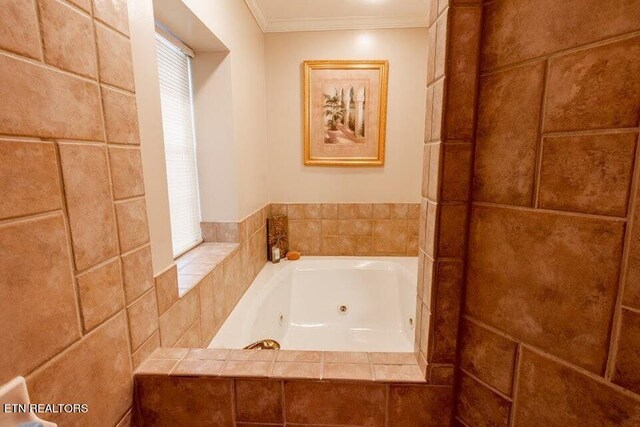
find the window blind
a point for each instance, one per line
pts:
(179, 145)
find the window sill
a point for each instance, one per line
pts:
(195, 264)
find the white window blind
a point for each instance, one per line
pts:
(179, 144)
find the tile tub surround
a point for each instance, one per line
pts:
(550, 328)
(196, 295)
(235, 232)
(287, 387)
(448, 151)
(351, 229)
(75, 275)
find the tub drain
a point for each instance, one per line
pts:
(343, 309)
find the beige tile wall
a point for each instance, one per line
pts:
(193, 319)
(367, 229)
(278, 388)
(78, 302)
(550, 330)
(452, 69)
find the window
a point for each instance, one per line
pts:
(176, 97)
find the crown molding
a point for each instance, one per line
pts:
(257, 13)
(348, 23)
(328, 24)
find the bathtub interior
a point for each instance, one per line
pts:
(328, 303)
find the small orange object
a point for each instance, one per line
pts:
(293, 255)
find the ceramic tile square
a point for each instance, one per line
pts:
(112, 13)
(36, 279)
(477, 404)
(178, 401)
(177, 319)
(456, 171)
(488, 356)
(199, 368)
(63, 106)
(29, 180)
(120, 117)
(166, 288)
(445, 304)
(143, 319)
(464, 44)
(590, 174)
(355, 211)
(137, 273)
(145, 350)
(507, 135)
(305, 211)
(554, 394)
(390, 236)
(427, 406)
(298, 370)
(627, 364)
(100, 294)
(193, 337)
(114, 58)
(334, 403)
(88, 195)
(102, 356)
(126, 172)
(603, 76)
(19, 32)
(512, 244)
(350, 371)
(132, 224)
(519, 30)
(67, 37)
(258, 401)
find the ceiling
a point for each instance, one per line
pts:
(312, 15)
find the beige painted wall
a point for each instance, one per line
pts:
(145, 67)
(400, 179)
(231, 138)
(232, 22)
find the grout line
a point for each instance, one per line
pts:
(46, 66)
(12, 138)
(485, 384)
(515, 384)
(40, 32)
(562, 52)
(631, 309)
(589, 132)
(126, 199)
(594, 377)
(549, 211)
(568, 365)
(111, 28)
(70, 347)
(616, 321)
(75, 7)
(535, 191)
(31, 216)
(110, 178)
(122, 91)
(97, 266)
(70, 249)
(461, 421)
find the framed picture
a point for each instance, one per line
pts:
(345, 112)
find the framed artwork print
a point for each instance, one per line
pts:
(345, 112)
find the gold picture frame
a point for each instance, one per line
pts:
(345, 112)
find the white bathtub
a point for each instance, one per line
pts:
(297, 303)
